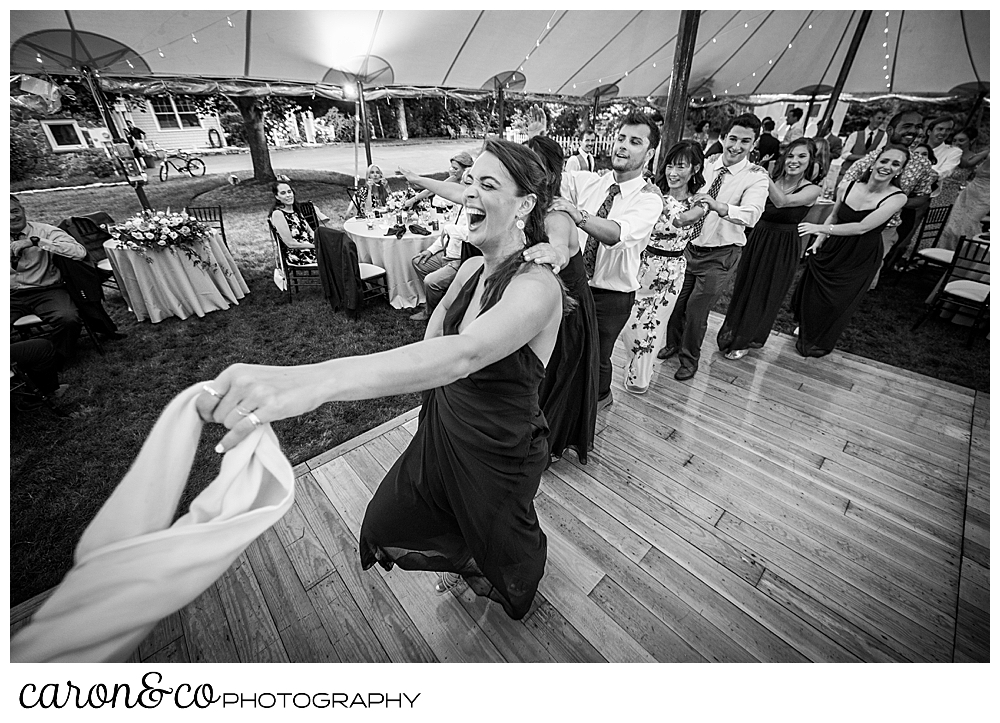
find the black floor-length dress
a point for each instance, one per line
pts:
(460, 497)
(568, 393)
(835, 281)
(765, 274)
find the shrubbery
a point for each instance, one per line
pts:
(31, 157)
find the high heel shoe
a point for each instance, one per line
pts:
(446, 581)
(737, 353)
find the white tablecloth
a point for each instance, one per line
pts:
(172, 285)
(406, 290)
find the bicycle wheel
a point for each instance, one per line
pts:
(164, 172)
(196, 167)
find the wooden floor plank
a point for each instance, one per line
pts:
(206, 629)
(252, 626)
(564, 642)
(294, 615)
(516, 643)
(395, 630)
(163, 633)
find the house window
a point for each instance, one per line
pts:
(64, 135)
(175, 113)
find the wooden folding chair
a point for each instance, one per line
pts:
(211, 216)
(925, 251)
(966, 284)
(295, 275)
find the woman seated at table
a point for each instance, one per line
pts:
(459, 499)
(294, 225)
(460, 163)
(374, 194)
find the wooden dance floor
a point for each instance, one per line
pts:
(772, 509)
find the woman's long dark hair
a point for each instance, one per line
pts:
(814, 171)
(866, 176)
(551, 155)
(306, 213)
(690, 151)
(525, 167)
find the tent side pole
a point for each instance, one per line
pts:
(102, 105)
(845, 70)
(677, 92)
(364, 122)
(501, 110)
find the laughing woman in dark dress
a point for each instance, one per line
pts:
(847, 253)
(771, 257)
(460, 497)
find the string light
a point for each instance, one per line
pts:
(38, 58)
(230, 22)
(193, 38)
(129, 63)
(885, 67)
(158, 50)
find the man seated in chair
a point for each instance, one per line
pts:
(36, 286)
(438, 264)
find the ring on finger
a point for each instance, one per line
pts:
(242, 412)
(211, 391)
(254, 419)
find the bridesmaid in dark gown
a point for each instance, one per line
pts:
(460, 498)
(568, 393)
(771, 257)
(846, 254)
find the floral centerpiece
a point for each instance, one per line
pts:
(396, 200)
(161, 230)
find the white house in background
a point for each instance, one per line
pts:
(172, 122)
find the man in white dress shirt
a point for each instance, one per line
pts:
(583, 159)
(938, 130)
(793, 128)
(734, 194)
(615, 213)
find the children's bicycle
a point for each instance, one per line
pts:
(180, 162)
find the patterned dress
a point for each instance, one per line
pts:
(302, 232)
(661, 278)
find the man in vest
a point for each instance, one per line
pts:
(583, 159)
(862, 142)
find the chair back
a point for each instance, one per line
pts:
(88, 231)
(353, 195)
(971, 261)
(210, 216)
(932, 226)
(307, 210)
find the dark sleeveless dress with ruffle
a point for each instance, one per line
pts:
(460, 497)
(568, 394)
(835, 281)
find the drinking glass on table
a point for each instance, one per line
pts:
(370, 220)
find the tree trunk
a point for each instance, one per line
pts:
(401, 118)
(253, 122)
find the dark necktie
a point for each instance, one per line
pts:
(590, 162)
(590, 250)
(714, 193)
(868, 143)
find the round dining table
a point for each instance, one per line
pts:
(406, 288)
(159, 284)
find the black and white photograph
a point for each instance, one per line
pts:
(508, 335)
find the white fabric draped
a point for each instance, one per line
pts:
(132, 567)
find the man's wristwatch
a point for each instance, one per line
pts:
(584, 217)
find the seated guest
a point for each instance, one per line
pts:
(374, 193)
(437, 266)
(294, 225)
(460, 163)
(36, 286)
(38, 360)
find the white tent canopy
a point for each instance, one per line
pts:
(562, 52)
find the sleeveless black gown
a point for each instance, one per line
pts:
(568, 393)
(765, 274)
(835, 281)
(460, 497)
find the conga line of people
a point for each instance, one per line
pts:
(515, 365)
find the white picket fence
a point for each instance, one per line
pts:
(568, 144)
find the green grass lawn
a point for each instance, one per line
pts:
(62, 470)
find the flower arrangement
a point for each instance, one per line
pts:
(396, 200)
(161, 230)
